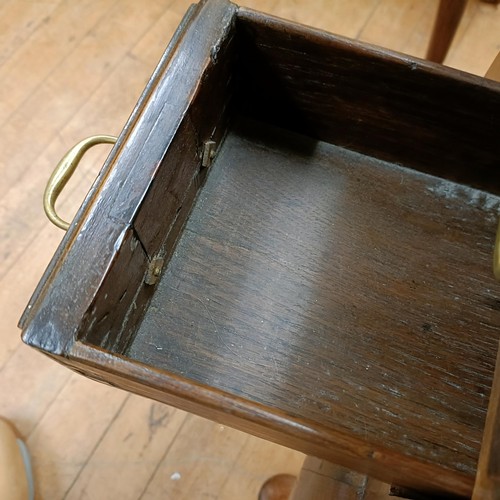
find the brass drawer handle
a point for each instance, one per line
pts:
(63, 172)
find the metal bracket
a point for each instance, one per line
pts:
(208, 153)
(154, 271)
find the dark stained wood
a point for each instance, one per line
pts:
(368, 99)
(92, 246)
(123, 296)
(249, 416)
(446, 23)
(168, 202)
(351, 294)
(311, 295)
(92, 196)
(206, 119)
(110, 317)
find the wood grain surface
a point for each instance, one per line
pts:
(221, 60)
(71, 69)
(348, 293)
(370, 100)
(94, 243)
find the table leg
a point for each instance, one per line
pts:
(448, 16)
(322, 480)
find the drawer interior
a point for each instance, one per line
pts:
(329, 268)
(337, 288)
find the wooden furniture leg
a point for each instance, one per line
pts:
(322, 480)
(448, 16)
(278, 487)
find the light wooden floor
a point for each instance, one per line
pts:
(72, 68)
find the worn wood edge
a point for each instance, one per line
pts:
(39, 329)
(97, 185)
(262, 421)
(54, 329)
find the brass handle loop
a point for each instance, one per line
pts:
(63, 172)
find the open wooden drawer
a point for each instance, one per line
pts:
(293, 235)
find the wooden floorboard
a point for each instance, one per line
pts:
(69, 69)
